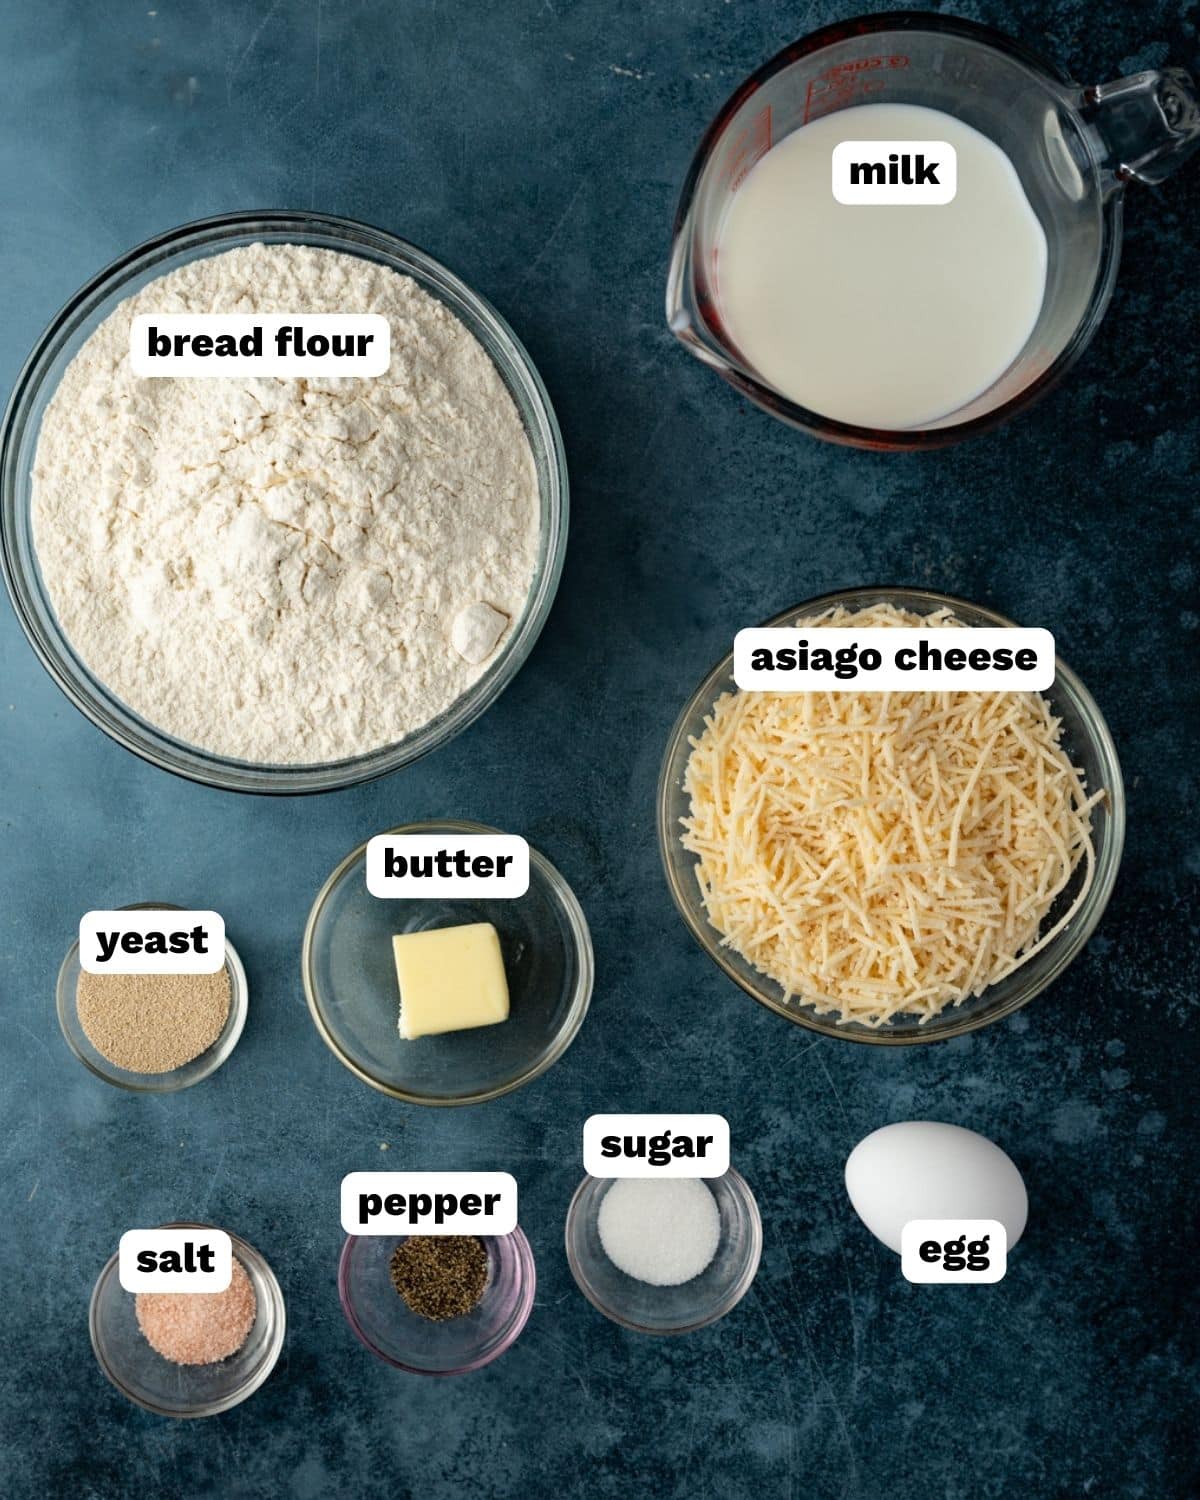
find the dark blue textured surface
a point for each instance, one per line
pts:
(537, 149)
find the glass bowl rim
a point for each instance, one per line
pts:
(587, 1190)
(581, 937)
(524, 1256)
(1070, 943)
(159, 1083)
(245, 1252)
(91, 697)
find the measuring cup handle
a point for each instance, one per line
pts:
(1148, 123)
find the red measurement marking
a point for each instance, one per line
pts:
(838, 87)
(752, 144)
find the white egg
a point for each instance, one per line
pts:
(919, 1169)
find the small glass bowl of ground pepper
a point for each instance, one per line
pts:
(437, 1305)
(672, 1281)
(152, 1033)
(195, 1361)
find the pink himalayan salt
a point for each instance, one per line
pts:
(199, 1328)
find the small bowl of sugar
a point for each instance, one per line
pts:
(664, 1255)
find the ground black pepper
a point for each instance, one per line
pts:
(440, 1276)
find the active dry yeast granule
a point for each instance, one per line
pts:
(272, 569)
(199, 1328)
(152, 1023)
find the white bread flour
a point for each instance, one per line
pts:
(271, 569)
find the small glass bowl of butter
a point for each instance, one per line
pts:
(351, 960)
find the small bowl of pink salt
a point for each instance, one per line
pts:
(190, 1354)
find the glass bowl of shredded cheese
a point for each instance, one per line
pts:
(891, 867)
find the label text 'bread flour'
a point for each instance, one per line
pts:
(275, 344)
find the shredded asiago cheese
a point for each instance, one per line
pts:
(883, 854)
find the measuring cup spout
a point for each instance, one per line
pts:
(684, 317)
(1148, 124)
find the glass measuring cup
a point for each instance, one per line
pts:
(1074, 148)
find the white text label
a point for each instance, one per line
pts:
(887, 659)
(949, 1250)
(151, 941)
(447, 864)
(175, 1260)
(656, 1146)
(272, 344)
(884, 172)
(429, 1203)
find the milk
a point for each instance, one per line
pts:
(883, 316)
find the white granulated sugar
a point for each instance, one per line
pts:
(661, 1231)
(271, 569)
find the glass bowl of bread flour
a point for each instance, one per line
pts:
(282, 585)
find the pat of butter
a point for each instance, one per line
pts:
(451, 979)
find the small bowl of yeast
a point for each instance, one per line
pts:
(891, 867)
